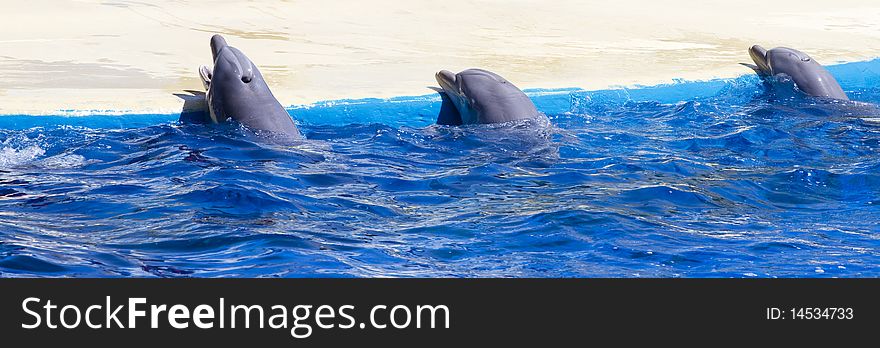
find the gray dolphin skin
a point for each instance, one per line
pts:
(809, 76)
(236, 90)
(482, 97)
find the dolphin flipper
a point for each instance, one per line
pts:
(195, 107)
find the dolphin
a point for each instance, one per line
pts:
(480, 97)
(237, 91)
(809, 76)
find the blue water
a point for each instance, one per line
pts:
(725, 178)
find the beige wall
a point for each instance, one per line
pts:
(132, 55)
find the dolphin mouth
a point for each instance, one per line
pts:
(446, 79)
(205, 75)
(759, 56)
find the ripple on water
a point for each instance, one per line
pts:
(741, 183)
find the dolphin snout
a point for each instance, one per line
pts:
(446, 79)
(759, 56)
(218, 43)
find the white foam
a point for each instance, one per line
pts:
(63, 161)
(12, 157)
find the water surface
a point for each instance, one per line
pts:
(725, 178)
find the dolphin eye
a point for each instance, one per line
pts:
(245, 79)
(806, 59)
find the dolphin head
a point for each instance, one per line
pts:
(237, 90)
(235, 83)
(231, 65)
(789, 59)
(809, 76)
(482, 96)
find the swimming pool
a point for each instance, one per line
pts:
(722, 178)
